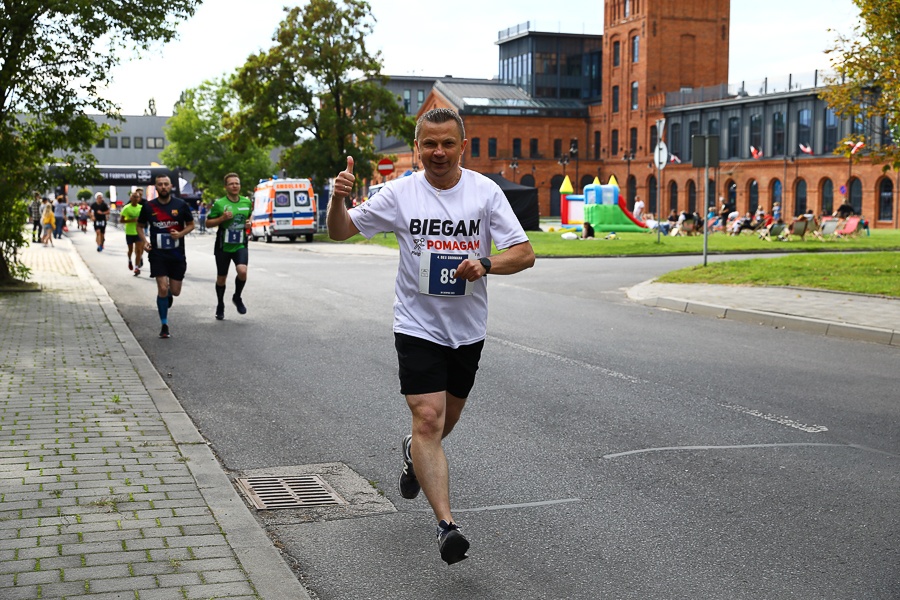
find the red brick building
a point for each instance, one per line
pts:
(586, 106)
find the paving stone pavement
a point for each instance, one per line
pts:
(107, 490)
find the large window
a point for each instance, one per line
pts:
(712, 127)
(827, 196)
(693, 129)
(557, 148)
(831, 131)
(886, 200)
(617, 54)
(138, 142)
(777, 195)
(634, 95)
(633, 140)
(596, 145)
(635, 48)
(113, 142)
(475, 147)
(615, 98)
(675, 139)
(753, 193)
(654, 138)
(614, 142)
(692, 197)
(673, 199)
(804, 126)
(778, 134)
(533, 148)
(517, 147)
(756, 132)
(492, 147)
(734, 137)
(407, 105)
(799, 197)
(653, 192)
(126, 141)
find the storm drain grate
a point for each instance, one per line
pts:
(301, 491)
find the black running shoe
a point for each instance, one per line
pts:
(220, 312)
(130, 266)
(164, 332)
(171, 299)
(409, 485)
(239, 304)
(452, 543)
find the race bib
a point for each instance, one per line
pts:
(437, 274)
(164, 241)
(234, 236)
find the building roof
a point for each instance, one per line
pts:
(489, 97)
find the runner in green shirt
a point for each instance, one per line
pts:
(231, 215)
(129, 216)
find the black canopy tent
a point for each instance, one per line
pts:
(522, 198)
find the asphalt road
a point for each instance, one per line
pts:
(609, 450)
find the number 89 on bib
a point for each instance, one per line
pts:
(437, 275)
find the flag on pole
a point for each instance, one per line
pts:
(857, 146)
(806, 149)
(675, 159)
(757, 154)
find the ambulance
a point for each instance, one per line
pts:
(284, 208)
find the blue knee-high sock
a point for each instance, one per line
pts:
(162, 305)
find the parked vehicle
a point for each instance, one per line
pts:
(284, 208)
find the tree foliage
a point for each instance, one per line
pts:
(199, 141)
(55, 56)
(318, 91)
(866, 85)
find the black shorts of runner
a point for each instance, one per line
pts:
(165, 265)
(100, 226)
(427, 367)
(132, 239)
(224, 259)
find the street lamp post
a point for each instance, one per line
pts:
(573, 151)
(563, 161)
(514, 165)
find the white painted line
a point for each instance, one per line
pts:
(510, 506)
(775, 418)
(569, 361)
(737, 447)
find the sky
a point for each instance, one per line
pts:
(769, 38)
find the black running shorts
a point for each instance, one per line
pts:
(427, 367)
(100, 226)
(165, 265)
(224, 259)
(132, 239)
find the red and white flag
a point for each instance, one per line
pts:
(806, 149)
(675, 159)
(856, 147)
(757, 154)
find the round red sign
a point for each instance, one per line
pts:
(385, 166)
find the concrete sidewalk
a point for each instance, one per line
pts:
(854, 316)
(107, 490)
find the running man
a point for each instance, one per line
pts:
(445, 219)
(169, 219)
(100, 212)
(129, 215)
(230, 214)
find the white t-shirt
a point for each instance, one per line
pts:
(436, 230)
(638, 209)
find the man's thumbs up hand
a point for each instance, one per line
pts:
(343, 183)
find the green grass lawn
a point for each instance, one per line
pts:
(863, 264)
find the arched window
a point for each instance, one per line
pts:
(753, 195)
(827, 196)
(586, 180)
(731, 187)
(799, 197)
(856, 195)
(673, 199)
(692, 196)
(776, 194)
(886, 200)
(555, 183)
(652, 192)
(632, 189)
(527, 180)
(712, 127)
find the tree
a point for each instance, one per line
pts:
(319, 92)
(200, 142)
(54, 58)
(865, 87)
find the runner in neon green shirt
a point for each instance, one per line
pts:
(129, 216)
(231, 215)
